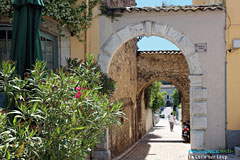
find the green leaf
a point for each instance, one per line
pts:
(58, 130)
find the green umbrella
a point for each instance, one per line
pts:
(26, 45)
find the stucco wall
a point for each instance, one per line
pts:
(199, 27)
(91, 44)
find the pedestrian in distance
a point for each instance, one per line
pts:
(171, 120)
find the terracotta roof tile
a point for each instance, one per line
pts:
(172, 52)
(169, 8)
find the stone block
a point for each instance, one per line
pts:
(196, 80)
(195, 67)
(124, 34)
(199, 108)
(172, 34)
(199, 122)
(186, 45)
(197, 140)
(104, 61)
(198, 94)
(159, 29)
(148, 29)
(137, 30)
(112, 45)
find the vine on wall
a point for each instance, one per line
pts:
(66, 12)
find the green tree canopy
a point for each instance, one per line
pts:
(176, 96)
(154, 98)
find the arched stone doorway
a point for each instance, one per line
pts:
(198, 94)
(168, 66)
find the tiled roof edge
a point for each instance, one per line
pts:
(169, 52)
(169, 8)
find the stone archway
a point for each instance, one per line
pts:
(168, 66)
(198, 94)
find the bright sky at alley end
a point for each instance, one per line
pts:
(157, 43)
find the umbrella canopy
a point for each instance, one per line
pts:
(26, 45)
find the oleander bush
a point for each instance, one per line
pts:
(55, 116)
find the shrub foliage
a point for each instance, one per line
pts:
(55, 116)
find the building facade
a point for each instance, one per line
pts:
(232, 68)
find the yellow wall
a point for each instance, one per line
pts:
(91, 45)
(233, 65)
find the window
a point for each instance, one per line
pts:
(48, 43)
(5, 42)
(48, 46)
(49, 50)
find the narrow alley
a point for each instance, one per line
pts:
(160, 144)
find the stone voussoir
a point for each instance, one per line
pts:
(148, 28)
(113, 44)
(124, 34)
(103, 61)
(195, 64)
(159, 29)
(137, 30)
(173, 34)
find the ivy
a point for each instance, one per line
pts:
(66, 12)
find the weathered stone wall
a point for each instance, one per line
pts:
(165, 67)
(123, 71)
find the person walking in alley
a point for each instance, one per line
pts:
(171, 120)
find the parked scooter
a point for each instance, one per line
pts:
(186, 131)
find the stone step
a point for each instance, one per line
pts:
(237, 150)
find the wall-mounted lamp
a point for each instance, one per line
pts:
(236, 43)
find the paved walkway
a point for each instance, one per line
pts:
(160, 144)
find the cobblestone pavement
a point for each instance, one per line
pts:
(160, 144)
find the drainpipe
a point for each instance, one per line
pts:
(226, 142)
(226, 101)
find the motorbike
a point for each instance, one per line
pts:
(186, 131)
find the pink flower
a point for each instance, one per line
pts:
(79, 93)
(78, 88)
(83, 89)
(77, 96)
